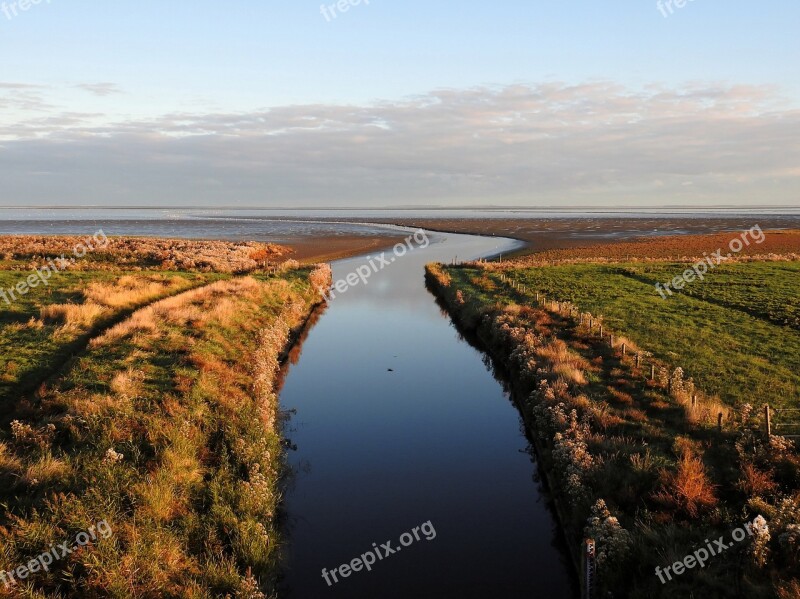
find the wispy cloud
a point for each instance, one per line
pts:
(548, 144)
(10, 85)
(100, 89)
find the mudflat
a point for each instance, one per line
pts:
(563, 233)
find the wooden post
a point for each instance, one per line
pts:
(624, 350)
(611, 341)
(719, 421)
(589, 569)
(591, 323)
(694, 400)
(601, 331)
(768, 420)
(638, 359)
(652, 372)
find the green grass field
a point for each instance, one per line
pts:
(31, 348)
(143, 397)
(735, 333)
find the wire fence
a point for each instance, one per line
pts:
(784, 422)
(787, 423)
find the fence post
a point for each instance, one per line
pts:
(637, 359)
(589, 569)
(652, 372)
(768, 418)
(719, 421)
(601, 331)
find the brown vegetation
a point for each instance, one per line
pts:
(128, 252)
(776, 245)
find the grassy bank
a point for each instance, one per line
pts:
(736, 333)
(637, 462)
(163, 426)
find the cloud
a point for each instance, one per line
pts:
(100, 89)
(554, 144)
(23, 97)
(9, 85)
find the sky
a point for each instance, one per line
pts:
(387, 104)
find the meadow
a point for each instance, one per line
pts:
(139, 390)
(736, 333)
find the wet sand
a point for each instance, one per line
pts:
(564, 233)
(337, 247)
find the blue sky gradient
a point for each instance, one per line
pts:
(73, 67)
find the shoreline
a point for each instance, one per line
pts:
(547, 233)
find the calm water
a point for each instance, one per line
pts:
(399, 422)
(186, 224)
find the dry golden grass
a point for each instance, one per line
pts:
(707, 410)
(127, 383)
(141, 321)
(130, 290)
(159, 498)
(755, 482)
(46, 470)
(94, 404)
(563, 361)
(687, 488)
(570, 373)
(102, 299)
(165, 254)
(72, 315)
(8, 461)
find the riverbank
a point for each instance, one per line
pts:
(636, 461)
(163, 426)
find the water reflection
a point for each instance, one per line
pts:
(399, 421)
